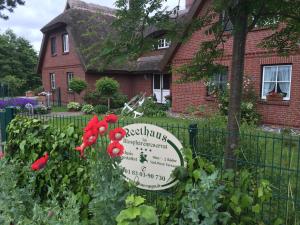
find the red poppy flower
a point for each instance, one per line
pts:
(92, 124)
(117, 134)
(2, 155)
(102, 127)
(115, 149)
(40, 163)
(111, 118)
(81, 149)
(90, 137)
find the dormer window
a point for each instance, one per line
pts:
(65, 40)
(163, 43)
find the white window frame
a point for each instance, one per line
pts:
(52, 81)
(288, 97)
(70, 77)
(163, 43)
(66, 46)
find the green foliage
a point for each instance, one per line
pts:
(15, 202)
(198, 195)
(118, 100)
(107, 86)
(95, 98)
(152, 109)
(29, 139)
(41, 109)
(18, 59)
(244, 198)
(137, 212)
(74, 106)
(9, 5)
(101, 109)
(19, 206)
(87, 109)
(248, 106)
(14, 84)
(108, 188)
(77, 85)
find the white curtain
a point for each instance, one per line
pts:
(284, 73)
(269, 79)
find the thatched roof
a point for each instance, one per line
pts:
(80, 19)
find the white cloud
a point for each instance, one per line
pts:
(27, 20)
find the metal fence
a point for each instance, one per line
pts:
(274, 157)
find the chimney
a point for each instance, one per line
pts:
(188, 4)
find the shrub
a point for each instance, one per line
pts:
(87, 109)
(118, 100)
(78, 85)
(94, 98)
(153, 109)
(28, 140)
(73, 106)
(107, 87)
(41, 109)
(101, 109)
(248, 106)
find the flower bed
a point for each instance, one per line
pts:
(17, 102)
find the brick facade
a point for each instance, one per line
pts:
(60, 64)
(285, 113)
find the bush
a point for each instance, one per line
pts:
(153, 109)
(101, 109)
(107, 86)
(73, 106)
(41, 109)
(95, 98)
(248, 106)
(118, 100)
(87, 109)
(78, 85)
(28, 140)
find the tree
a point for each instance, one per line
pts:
(18, 58)
(13, 83)
(107, 87)
(9, 6)
(77, 85)
(282, 16)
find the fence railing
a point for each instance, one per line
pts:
(269, 156)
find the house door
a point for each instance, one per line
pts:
(161, 86)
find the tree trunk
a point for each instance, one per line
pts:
(236, 87)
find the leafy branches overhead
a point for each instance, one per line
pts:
(134, 21)
(9, 5)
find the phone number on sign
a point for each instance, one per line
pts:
(143, 174)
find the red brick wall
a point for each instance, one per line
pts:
(286, 113)
(60, 64)
(130, 84)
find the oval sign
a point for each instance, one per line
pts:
(151, 155)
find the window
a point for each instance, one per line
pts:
(163, 43)
(52, 81)
(217, 82)
(53, 45)
(69, 79)
(277, 79)
(65, 38)
(226, 23)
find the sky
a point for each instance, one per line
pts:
(27, 20)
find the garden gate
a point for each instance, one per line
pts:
(5, 117)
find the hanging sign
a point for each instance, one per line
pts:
(151, 155)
